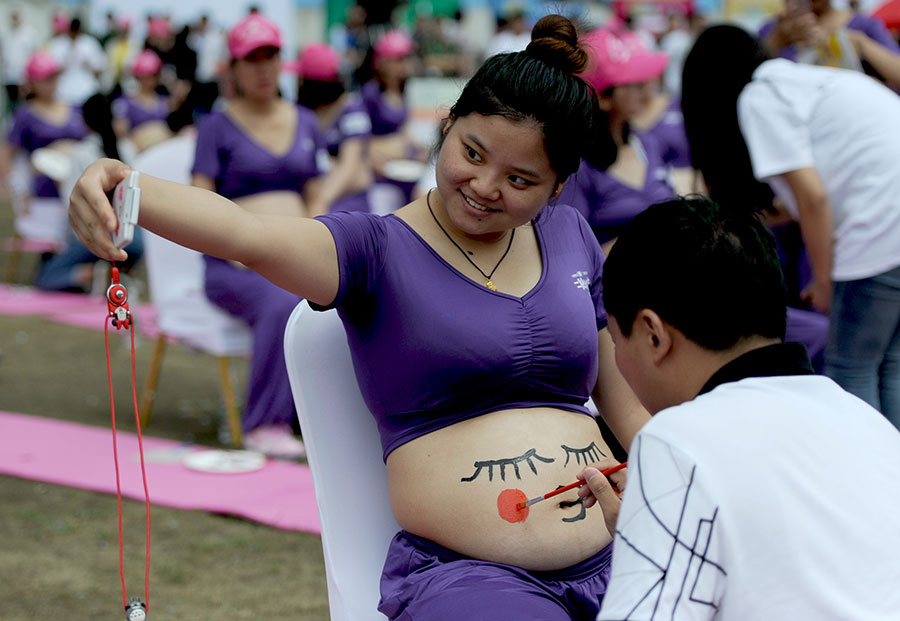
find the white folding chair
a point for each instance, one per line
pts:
(39, 225)
(175, 277)
(344, 453)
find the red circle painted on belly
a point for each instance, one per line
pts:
(507, 505)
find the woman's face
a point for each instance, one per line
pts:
(628, 100)
(44, 90)
(256, 75)
(493, 174)
(394, 71)
(148, 82)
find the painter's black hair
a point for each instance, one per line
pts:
(710, 271)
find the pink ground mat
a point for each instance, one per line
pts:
(73, 309)
(43, 449)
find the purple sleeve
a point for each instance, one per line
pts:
(206, 155)
(360, 240)
(767, 29)
(592, 246)
(876, 30)
(354, 121)
(18, 131)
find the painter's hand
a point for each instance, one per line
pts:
(90, 212)
(603, 490)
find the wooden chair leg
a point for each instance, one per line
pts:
(148, 394)
(12, 264)
(234, 419)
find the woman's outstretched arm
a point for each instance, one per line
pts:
(297, 254)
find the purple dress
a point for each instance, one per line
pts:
(872, 27)
(607, 203)
(137, 114)
(31, 132)
(671, 136)
(240, 166)
(353, 122)
(430, 348)
(386, 119)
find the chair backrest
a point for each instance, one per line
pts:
(344, 453)
(175, 274)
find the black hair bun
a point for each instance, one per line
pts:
(554, 40)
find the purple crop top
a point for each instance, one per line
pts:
(385, 118)
(241, 166)
(352, 122)
(137, 114)
(431, 347)
(31, 132)
(607, 203)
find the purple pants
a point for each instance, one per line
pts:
(423, 580)
(266, 308)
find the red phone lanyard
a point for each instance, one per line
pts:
(120, 316)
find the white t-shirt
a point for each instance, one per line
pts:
(766, 498)
(16, 46)
(846, 125)
(82, 60)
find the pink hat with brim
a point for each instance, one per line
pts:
(394, 44)
(620, 58)
(61, 24)
(159, 27)
(41, 66)
(252, 33)
(146, 63)
(317, 61)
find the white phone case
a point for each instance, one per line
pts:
(126, 203)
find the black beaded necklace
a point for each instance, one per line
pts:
(489, 284)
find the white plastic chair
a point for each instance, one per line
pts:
(175, 276)
(40, 226)
(341, 438)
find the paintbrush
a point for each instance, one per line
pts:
(605, 473)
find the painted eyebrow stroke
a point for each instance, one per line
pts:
(589, 454)
(503, 463)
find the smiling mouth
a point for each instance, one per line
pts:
(477, 206)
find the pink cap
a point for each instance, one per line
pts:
(40, 66)
(159, 27)
(620, 58)
(146, 63)
(252, 33)
(394, 44)
(317, 61)
(61, 23)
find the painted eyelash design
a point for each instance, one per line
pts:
(530, 455)
(589, 454)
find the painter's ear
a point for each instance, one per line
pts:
(656, 334)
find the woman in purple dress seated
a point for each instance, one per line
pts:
(477, 331)
(136, 114)
(263, 152)
(43, 121)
